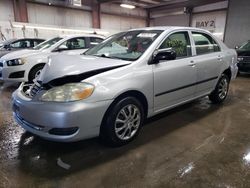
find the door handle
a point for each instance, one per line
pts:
(219, 58)
(192, 63)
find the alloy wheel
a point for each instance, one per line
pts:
(127, 122)
(223, 88)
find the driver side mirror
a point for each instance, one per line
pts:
(163, 54)
(7, 47)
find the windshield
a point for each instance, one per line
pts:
(47, 43)
(6, 42)
(245, 46)
(126, 45)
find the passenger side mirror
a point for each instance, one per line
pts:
(163, 54)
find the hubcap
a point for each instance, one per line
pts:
(127, 122)
(38, 73)
(223, 88)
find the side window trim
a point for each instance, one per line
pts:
(192, 43)
(205, 33)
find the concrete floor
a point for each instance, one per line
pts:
(195, 145)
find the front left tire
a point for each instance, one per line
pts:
(123, 122)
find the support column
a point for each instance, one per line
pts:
(20, 10)
(96, 21)
(148, 18)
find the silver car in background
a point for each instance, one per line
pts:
(109, 91)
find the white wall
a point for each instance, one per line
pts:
(65, 17)
(6, 10)
(205, 21)
(20, 30)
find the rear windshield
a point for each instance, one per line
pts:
(245, 46)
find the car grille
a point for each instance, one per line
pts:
(245, 59)
(36, 87)
(30, 90)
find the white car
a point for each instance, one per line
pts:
(25, 65)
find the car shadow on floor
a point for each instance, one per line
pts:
(49, 159)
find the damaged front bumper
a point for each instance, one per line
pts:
(64, 122)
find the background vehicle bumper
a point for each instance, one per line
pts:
(14, 73)
(40, 118)
(244, 67)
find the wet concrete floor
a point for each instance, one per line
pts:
(195, 145)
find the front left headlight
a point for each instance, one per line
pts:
(15, 62)
(68, 92)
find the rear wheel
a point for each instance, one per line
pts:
(35, 72)
(221, 90)
(123, 122)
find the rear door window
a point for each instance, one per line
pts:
(75, 43)
(204, 43)
(94, 41)
(36, 42)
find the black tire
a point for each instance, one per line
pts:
(34, 71)
(109, 126)
(218, 96)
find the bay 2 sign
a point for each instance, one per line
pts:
(206, 24)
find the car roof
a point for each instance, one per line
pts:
(80, 35)
(165, 28)
(13, 40)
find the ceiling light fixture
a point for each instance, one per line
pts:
(127, 6)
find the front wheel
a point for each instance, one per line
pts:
(35, 72)
(123, 122)
(221, 90)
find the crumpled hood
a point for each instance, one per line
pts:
(64, 66)
(21, 54)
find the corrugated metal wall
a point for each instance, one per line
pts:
(171, 20)
(120, 23)
(238, 23)
(124, 21)
(6, 11)
(51, 15)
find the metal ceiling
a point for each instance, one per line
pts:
(152, 4)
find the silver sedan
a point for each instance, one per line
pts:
(113, 87)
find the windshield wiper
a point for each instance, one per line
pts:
(105, 56)
(112, 57)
